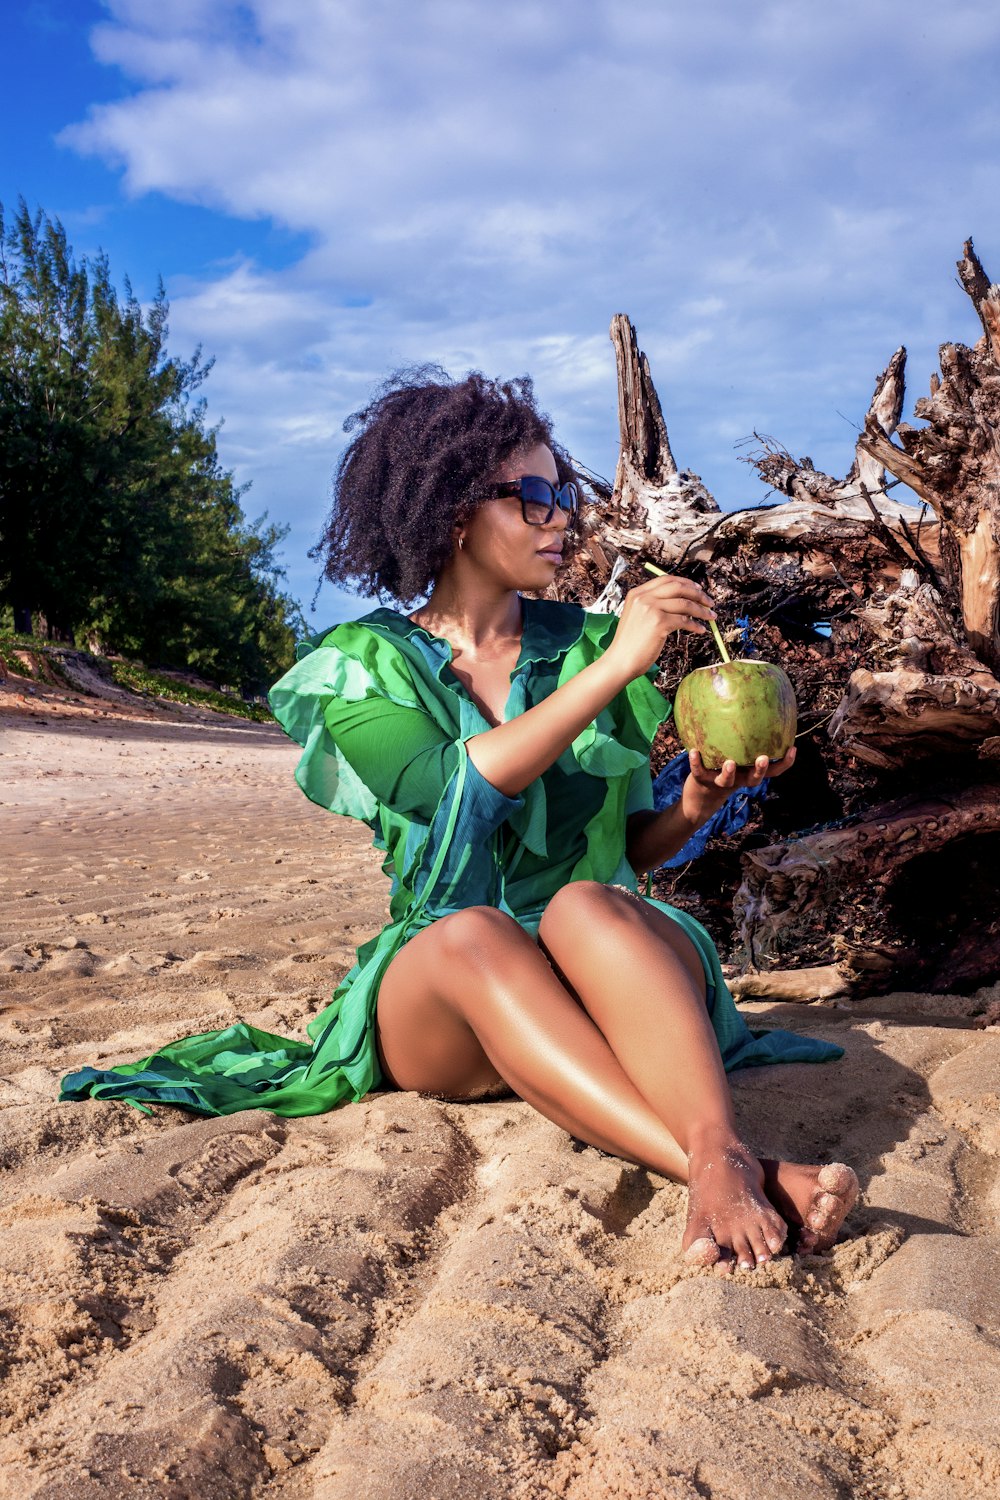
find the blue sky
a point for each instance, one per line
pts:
(776, 194)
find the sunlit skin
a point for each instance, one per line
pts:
(601, 1024)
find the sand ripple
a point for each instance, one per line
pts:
(407, 1298)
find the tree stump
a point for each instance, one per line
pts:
(875, 862)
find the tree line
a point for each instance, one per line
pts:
(118, 522)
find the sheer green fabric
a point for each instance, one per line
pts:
(401, 755)
(383, 722)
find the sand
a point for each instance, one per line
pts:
(406, 1298)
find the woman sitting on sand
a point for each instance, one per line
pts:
(498, 746)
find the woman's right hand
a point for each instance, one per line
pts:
(651, 612)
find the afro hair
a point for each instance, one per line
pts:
(422, 455)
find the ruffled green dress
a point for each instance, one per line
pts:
(383, 722)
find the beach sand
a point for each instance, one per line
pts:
(406, 1298)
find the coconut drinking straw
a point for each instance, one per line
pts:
(661, 573)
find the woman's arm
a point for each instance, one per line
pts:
(651, 838)
(405, 759)
(512, 755)
(401, 755)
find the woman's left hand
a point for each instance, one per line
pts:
(706, 790)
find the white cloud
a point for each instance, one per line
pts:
(774, 193)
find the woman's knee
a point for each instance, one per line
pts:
(474, 935)
(582, 903)
(586, 918)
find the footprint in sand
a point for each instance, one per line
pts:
(296, 959)
(134, 962)
(22, 960)
(131, 963)
(79, 962)
(215, 958)
(71, 956)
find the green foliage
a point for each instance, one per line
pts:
(9, 658)
(39, 661)
(116, 516)
(138, 679)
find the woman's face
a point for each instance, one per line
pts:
(498, 540)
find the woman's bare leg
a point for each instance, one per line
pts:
(640, 979)
(471, 1000)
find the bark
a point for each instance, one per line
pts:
(830, 542)
(824, 982)
(954, 462)
(886, 616)
(841, 895)
(924, 691)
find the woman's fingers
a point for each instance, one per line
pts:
(676, 595)
(673, 623)
(759, 771)
(787, 761)
(723, 776)
(685, 614)
(651, 612)
(728, 776)
(670, 583)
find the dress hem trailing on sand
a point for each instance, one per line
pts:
(468, 845)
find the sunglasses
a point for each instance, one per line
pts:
(539, 499)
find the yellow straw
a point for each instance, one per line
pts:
(661, 573)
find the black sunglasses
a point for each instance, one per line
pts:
(539, 498)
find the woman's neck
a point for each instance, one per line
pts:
(476, 623)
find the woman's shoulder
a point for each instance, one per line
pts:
(542, 616)
(379, 622)
(558, 612)
(385, 639)
(352, 660)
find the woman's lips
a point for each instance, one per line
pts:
(552, 555)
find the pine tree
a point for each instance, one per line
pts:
(116, 515)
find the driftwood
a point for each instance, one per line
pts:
(954, 463)
(932, 693)
(788, 886)
(886, 615)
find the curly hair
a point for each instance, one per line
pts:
(422, 457)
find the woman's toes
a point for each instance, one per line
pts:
(743, 1253)
(837, 1190)
(775, 1239)
(725, 1264)
(759, 1246)
(825, 1208)
(838, 1178)
(703, 1251)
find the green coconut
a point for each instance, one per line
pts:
(736, 710)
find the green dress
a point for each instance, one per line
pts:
(383, 722)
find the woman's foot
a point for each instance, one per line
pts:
(730, 1220)
(816, 1200)
(739, 1208)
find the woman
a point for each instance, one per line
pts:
(498, 746)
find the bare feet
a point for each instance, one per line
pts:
(730, 1220)
(739, 1208)
(816, 1200)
